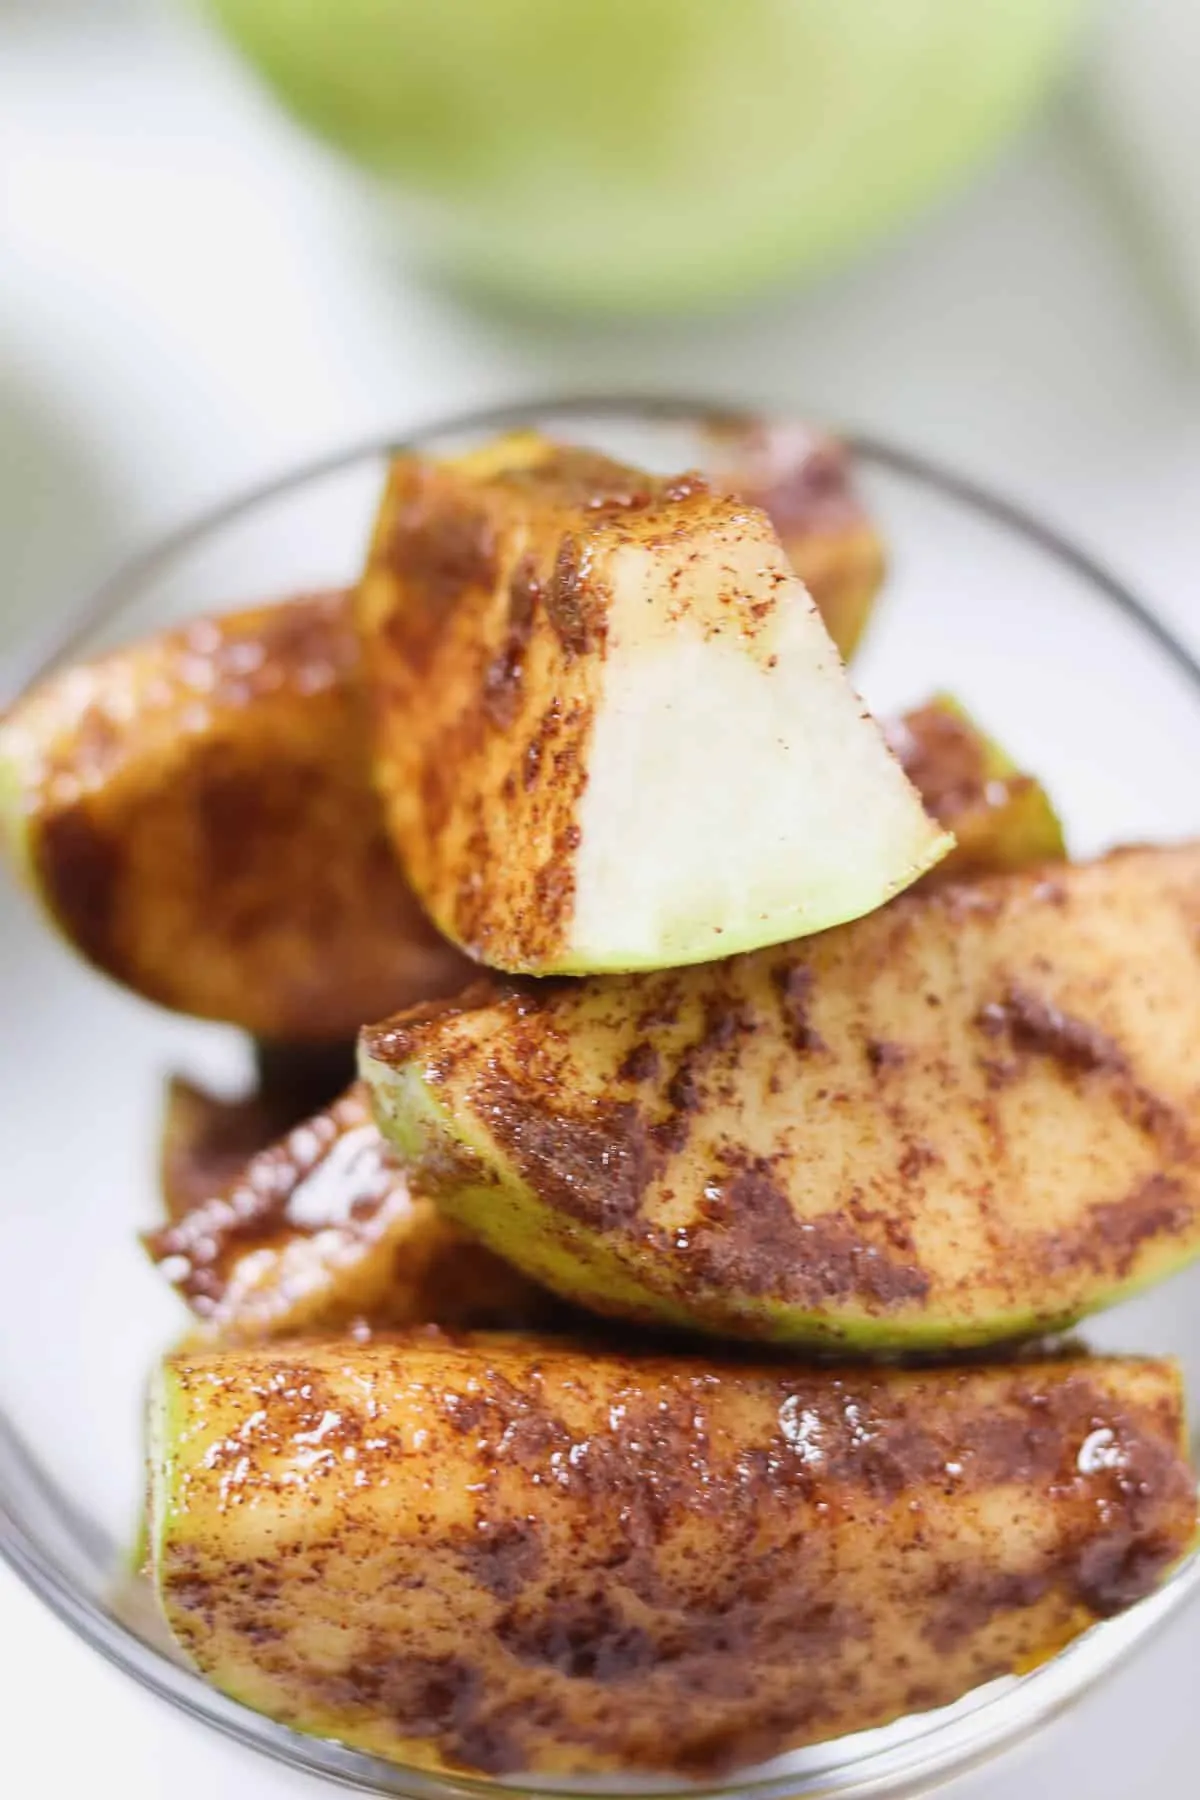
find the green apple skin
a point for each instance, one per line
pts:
(653, 155)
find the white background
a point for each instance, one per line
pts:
(189, 297)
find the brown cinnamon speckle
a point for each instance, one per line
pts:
(1035, 1025)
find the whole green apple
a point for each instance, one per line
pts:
(655, 154)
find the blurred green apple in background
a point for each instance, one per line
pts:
(655, 154)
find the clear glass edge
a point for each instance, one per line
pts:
(952, 1740)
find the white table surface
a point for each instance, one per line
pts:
(187, 300)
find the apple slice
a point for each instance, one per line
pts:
(207, 1139)
(804, 480)
(195, 814)
(525, 1557)
(1001, 817)
(611, 730)
(320, 1231)
(973, 1116)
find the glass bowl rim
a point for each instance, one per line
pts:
(48, 648)
(1051, 1687)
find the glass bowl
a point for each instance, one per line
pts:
(1058, 659)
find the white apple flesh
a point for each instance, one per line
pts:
(612, 731)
